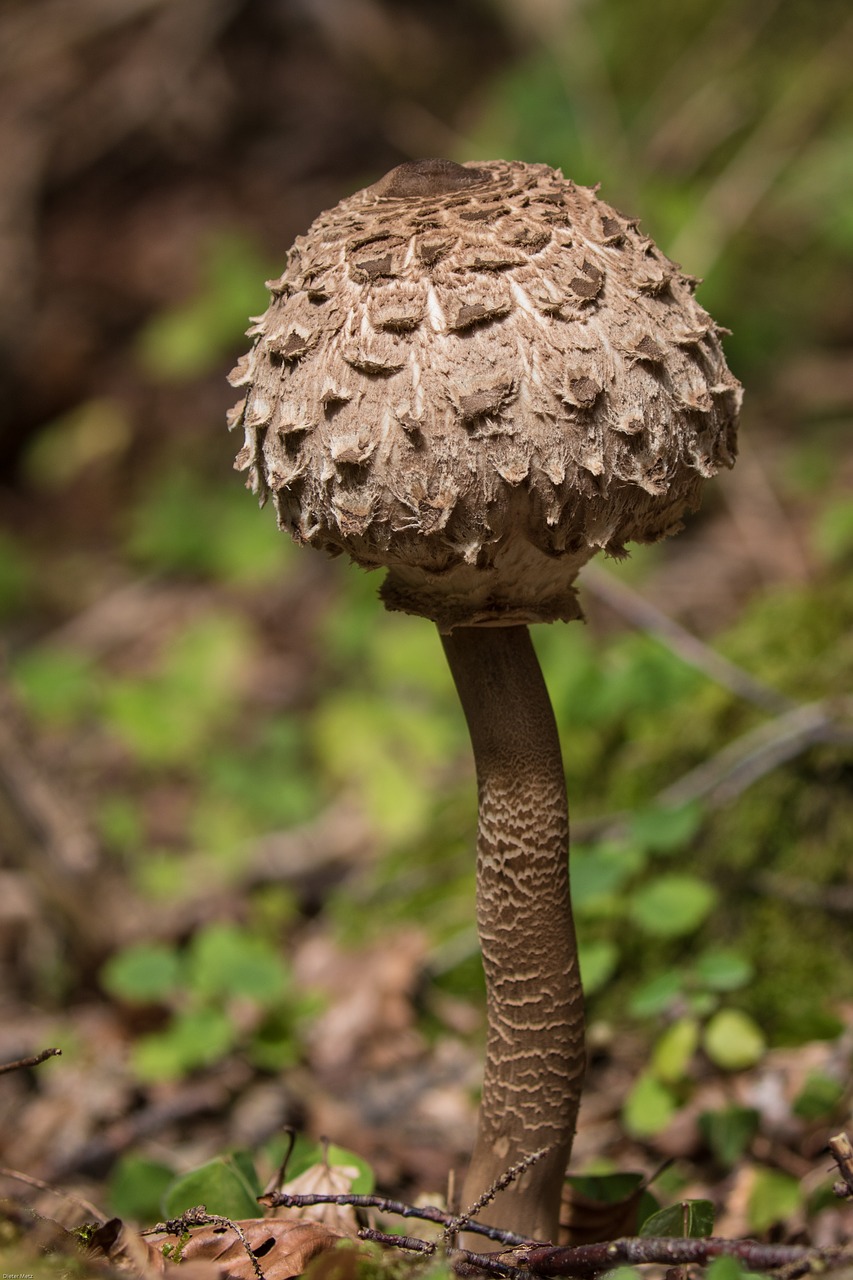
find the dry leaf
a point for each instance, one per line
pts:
(587, 1221)
(328, 1180)
(283, 1247)
(136, 1255)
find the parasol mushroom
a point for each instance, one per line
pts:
(476, 377)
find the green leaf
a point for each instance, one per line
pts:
(733, 1041)
(641, 675)
(665, 830)
(94, 431)
(120, 822)
(648, 1108)
(305, 1154)
(274, 1045)
(656, 996)
(689, 1218)
(671, 906)
(167, 718)
(774, 1197)
(598, 962)
(674, 1050)
(833, 533)
(193, 1039)
(381, 751)
(221, 1186)
(17, 579)
(270, 780)
(606, 1188)
(701, 1003)
(819, 1096)
(136, 1188)
(58, 686)
(726, 1268)
(723, 970)
(224, 960)
(245, 1162)
(598, 874)
(149, 971)
(729, 1132)
(185, 523)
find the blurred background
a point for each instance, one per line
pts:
(237, 807)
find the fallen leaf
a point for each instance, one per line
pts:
(601, 1208)
(328, 1180)
(282, 1246)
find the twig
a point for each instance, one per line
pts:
(741, 763)
(506, 1179)
(92, 1157)
(732, 770)
(642, 614)
(199, 1217)
(29, 1181)
(842, 1151)
(596, 1259)
(279, 1178)
(30, 1062)
(428, 1213)
(412, 1243)
(545, 1260)
(835, 899)
(592, 1259)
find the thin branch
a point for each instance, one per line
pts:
(428, 1213)
(199, 1217)
(412, 1243)
(29, 1181)
(842, 1152)
(592, 1259)
(596, 1259)
(757, 753)
(835, 899)
(642, 614)
(30, 1062)
(464, 1220)
(741, 763)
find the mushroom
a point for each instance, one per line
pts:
(476, 377)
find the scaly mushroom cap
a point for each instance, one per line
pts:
(477, 377)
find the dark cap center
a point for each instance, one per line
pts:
(417, 178)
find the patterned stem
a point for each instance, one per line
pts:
(535, 1050)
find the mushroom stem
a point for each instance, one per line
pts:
(535, 1049)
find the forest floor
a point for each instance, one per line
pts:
(200, 897)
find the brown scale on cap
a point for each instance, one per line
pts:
(477, 377)
(492, 328)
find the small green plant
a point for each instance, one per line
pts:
(694, 1020)
(184, 524)
(227, 989)
(17, 576)
(146, 1190)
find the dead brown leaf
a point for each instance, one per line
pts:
(328, 1180)
(282, 1246)
(587, 1221)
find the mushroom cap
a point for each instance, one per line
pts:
(478, 376)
